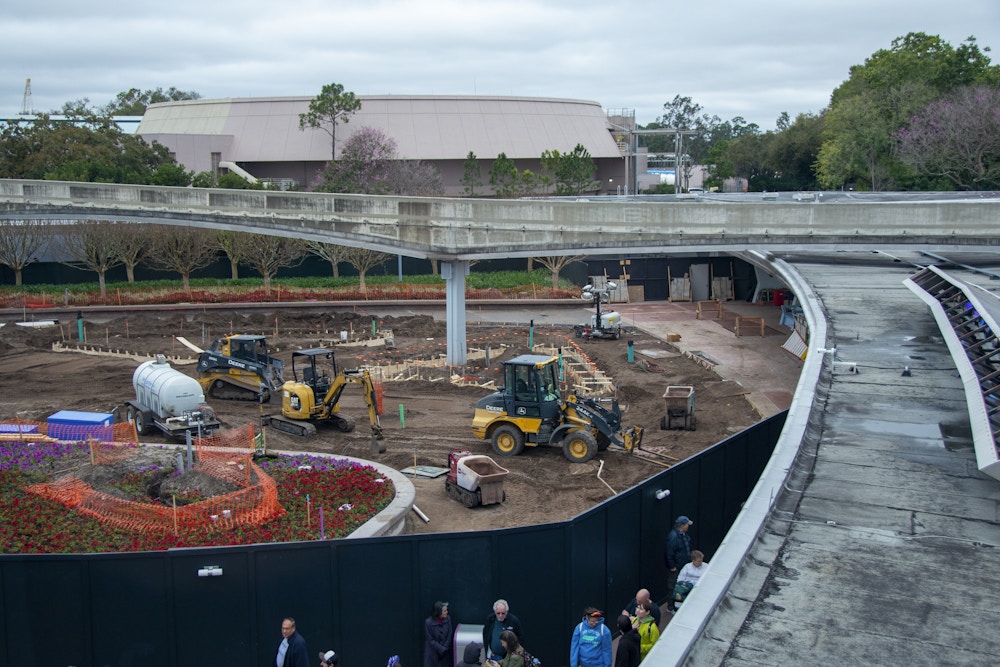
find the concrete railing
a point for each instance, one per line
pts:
(459, 229)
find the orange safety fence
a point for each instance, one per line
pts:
(226, 456)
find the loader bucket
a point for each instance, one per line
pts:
(632, 439)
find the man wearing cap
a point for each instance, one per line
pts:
(329, 659)
(591, 645)
(678, 552)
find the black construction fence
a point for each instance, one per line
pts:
(367, 599)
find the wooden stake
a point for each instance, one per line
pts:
(175, 515)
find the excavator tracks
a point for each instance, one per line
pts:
(228, 391)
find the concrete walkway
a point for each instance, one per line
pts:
(882, 545)
(757, 362)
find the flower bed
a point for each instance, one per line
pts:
(344, 493)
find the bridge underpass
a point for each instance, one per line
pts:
(456, 231)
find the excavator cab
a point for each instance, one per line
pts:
(317, 366)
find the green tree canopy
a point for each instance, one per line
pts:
(878, 99)
(504, 176)
(575, 172)
(89, 148)
(331, 107)
(472, 174)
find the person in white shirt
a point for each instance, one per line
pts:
(689, 575)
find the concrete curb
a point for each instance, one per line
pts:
(392, 519)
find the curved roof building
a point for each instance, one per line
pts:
(261, 136)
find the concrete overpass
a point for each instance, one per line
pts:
(456, 231)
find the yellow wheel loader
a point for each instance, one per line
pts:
(530, 411)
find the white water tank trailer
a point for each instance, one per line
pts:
(168, 399)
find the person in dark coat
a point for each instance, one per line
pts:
(628, 644)
(292, 651)
(501, 619)
(678, 552)
(437, 637)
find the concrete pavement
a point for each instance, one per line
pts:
(880, 545)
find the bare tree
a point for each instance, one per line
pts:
(92, 245)
(133, 245)
(415, 178)
(364, 260)
(557, 264)
(182, 249)
(267, 254)
(236, 245)
(20, 243)
(331, 252)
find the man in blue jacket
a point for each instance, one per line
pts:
(591, 645)
(678, 552)
(292, 651)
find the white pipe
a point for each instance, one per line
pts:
(599, 470)
(421, 514)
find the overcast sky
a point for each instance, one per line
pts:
(749, 59)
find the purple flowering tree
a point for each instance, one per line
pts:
(956, 137)
(365, 164)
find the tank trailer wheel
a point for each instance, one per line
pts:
(508, 440)
(580, 446)
(138, 418)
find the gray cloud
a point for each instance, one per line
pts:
(753, 60)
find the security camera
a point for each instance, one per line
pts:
(662, 493)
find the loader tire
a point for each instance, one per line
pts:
(580, 446)
(508, 440)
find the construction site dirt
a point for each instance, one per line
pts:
(425, 413)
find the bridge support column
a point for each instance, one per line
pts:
(454, 274)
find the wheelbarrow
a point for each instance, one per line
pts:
(680, 408)
(475, 479)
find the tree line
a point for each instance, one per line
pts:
(920, 115)
(99, 246)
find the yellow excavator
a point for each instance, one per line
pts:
(312, 397)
